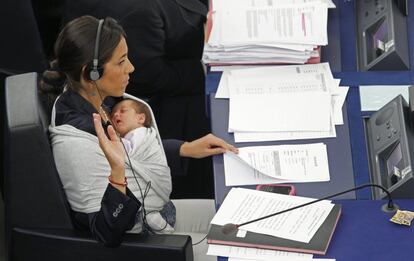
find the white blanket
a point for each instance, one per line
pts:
(84, 170)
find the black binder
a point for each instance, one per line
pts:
(317, 245)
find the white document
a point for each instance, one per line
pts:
(220, 4)
(240, 137)
(308, 111)
(338, 99)
(300, 23)
(279, 259)
(237, 173)
(277, 164)
(285, 135)
(242, 205)
(278, 102)
(256, 253)
(223, 88)
(294, 71)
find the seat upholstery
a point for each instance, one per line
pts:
(38, 218)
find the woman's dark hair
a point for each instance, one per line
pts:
(74, 48)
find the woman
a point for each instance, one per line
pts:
(166, 40)
(95, 182)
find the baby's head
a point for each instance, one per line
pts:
(130, 114)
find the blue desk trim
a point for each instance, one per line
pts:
(354, 78)
(347, 35)
(212, 80)
(410, 32)
(357, 139)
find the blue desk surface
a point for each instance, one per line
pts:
(364, 232)
(339, 156)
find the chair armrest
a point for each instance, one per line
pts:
(62, 245)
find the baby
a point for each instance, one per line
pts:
(132, 120)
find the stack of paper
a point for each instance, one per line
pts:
(266, 31)
(305, 230)
(282, 102)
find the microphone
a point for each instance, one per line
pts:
(389, 207)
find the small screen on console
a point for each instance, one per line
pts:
(394, 165)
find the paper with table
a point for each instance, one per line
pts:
(282, 102)
(277, 164)
(271, 31)
(307, 229)
(242, 205)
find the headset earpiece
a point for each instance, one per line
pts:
(96, 71)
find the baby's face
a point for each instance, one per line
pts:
(125, 118)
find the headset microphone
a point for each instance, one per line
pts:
(96, 72)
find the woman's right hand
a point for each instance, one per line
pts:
(206, 146)
(112, 148)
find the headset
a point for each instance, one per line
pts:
(96, 71)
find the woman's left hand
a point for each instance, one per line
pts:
(206, 146)
(112, 147)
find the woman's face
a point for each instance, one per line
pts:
(116, 72)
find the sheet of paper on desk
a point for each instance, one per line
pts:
(280, 112)
(256, 253)
(284, 135)
(277, 164)
(338, 99)
(256, 73)
(243, 259)
(272, 100)
(279, 103)
(242, 205)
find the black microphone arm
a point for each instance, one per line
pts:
(389, 207)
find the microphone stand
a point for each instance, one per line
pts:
(389, 207)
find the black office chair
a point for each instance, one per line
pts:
(38, 219)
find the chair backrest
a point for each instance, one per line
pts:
(34, 195)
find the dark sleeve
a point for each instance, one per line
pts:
(155, 73)
(178, 165)
(117, 215)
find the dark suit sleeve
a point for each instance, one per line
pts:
(117, 215)
(178, 165)
(155, 73)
